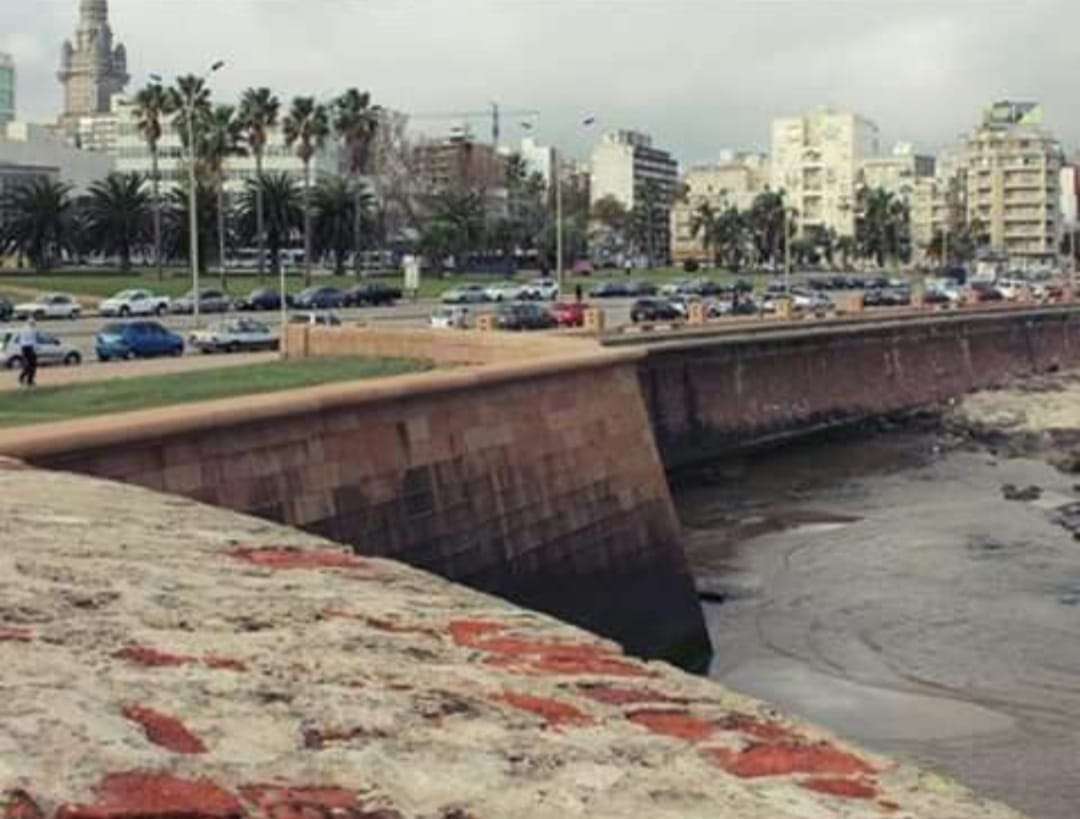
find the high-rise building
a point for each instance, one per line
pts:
(538, 159)
(816, 158)
(7, 89)
(625, 165)
(1013, 166)
(734, 181)
(460, 163)
(904, 173)
(92, 69)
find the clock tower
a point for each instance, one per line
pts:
(92, 69)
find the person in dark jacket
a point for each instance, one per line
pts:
(26, 341)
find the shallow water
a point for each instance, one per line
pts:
(887, 591)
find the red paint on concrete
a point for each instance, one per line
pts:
(847, 788)
(553, 712)
(152, 658)
(280, 802)
(142, 795)
(786, 759)
(468, 632)
(610, 695)
(20, 805)
(16, 635)
(166, 731)
(224, 663)
(759, 729)
(284, 558)
(677, 724)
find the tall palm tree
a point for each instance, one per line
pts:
(355, 123)
(767, 223)
(259, 113)
(730, 236)
(152, 105)
(306, 129)
(282, 211)
(221, 139)
(116, 212)
(703, 221)
(334, 204)
(38, 222)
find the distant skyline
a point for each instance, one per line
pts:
(701, 76)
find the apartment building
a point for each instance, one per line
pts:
(24, 145)
(622, 165)
(909, 177)
(1013, 167)
(459, 163)
(816, 158)
(734, 181)
(7, 89)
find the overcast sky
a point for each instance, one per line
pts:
(699, 75)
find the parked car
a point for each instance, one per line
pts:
(49, 306)
(523, 315)
(465, 294)
(315, 318)
(543, 289)
(233, 336)
(210, 301)
(7, 309)
(1011, 288)
(638, 289)
(320, 298)
(454, 317)
(984, 291)
(654, 310)
(609, 290)
(373, 293)
(569, 313)
(745, 306)
(506, 291)
(263, 298)
(134, 303)
(49, 349)
(136, 339)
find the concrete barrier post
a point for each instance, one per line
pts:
(486, 323)
(785, 309)
(594, 320)
(696, 313)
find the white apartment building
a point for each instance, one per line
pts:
(538, 159)
(816, 158)
(132, 155)
(1013, 168)
(26, 144)
(733, 181)
(7, 89)
(909, 177)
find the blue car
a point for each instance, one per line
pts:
(137, 339)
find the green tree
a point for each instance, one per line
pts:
(882, 226)
(647, 219)
(152, 105)
(704, 221)
(259, 110)
(457, 226)
(306, 128)
(848, 248)
(222, 138)
(177, 224)
(334, 203)
(39, 222)
(356, 122)
(117, 210)
(766, 220)
(279, 197)
(730, 236)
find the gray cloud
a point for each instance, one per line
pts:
(701, 75)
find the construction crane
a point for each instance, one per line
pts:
(495, 113)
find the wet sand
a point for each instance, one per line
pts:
(882, 586)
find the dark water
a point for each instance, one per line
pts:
(886, 590)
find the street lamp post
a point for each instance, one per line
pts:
(558, 223)
(193, 220)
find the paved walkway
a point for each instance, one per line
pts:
(88, 373)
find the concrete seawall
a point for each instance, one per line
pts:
(709, 394)
(538, 481)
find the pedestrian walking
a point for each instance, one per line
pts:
(26, 341)
(578, 293)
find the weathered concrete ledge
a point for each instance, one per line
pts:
(163, 659)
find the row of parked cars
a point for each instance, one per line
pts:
(516, 292)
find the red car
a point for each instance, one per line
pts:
(569, 313)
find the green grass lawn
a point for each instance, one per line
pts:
(44, 404)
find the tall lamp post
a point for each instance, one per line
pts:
(189, 115)
(556, 162)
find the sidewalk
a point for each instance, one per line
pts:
(89, 373)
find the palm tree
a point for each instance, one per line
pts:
(703, 221)
(259, 113)
(38, 222)
(847, 247)
(177, 224)
(306, 128)
(767, 223)
(116, 214)
(355, 123)
(190, 99)
(730, 236)
(646, 215)
(279, 197)
(152, 104)
(221, 139)
(882, 226)
(334, 204)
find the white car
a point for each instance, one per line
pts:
(451, 318)
(466, 294)
(233, 336)
(507, 291)
(1011, 288)
(50, 305)
(315, 318)
(543, 289)
(134, 303)
(50, 350)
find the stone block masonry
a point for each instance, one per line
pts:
(163, 659)
(537, 481)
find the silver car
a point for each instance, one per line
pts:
(234, 336)
(50, 350)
